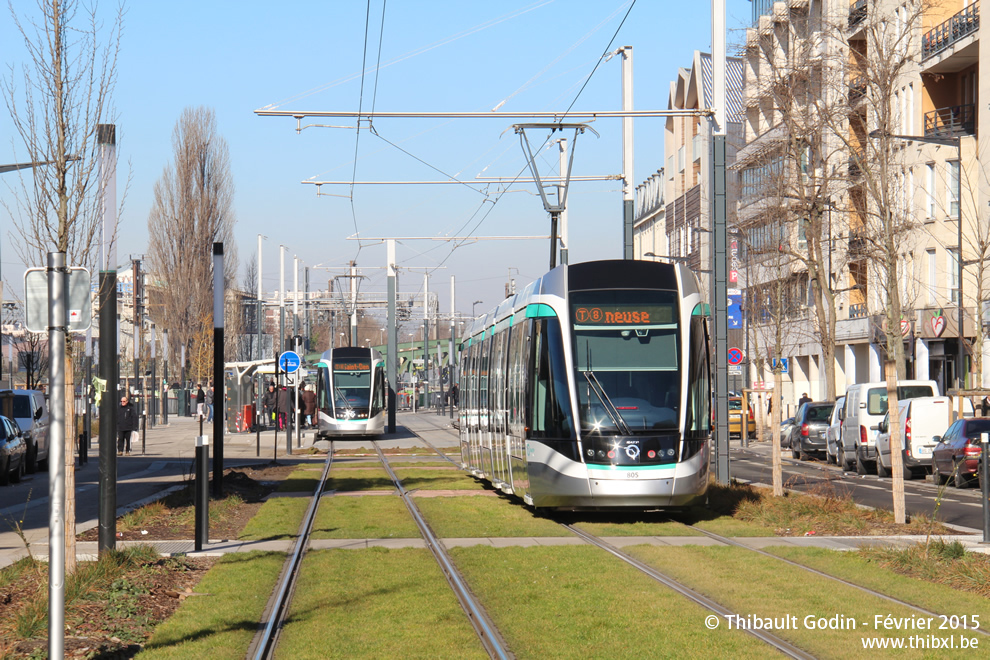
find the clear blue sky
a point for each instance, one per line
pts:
(436, 55)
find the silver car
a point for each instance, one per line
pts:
(833, 431)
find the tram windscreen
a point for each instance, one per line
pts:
(626, 354)
(351, 383)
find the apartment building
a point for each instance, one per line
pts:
(861, 119)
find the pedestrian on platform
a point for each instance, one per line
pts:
(209, 403)
(283, 406)
(804, 399)
(200, 401)
(309, 406)
(127, 423)
(269, 402)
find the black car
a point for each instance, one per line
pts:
(13, 451)
(808, 431)
(957, 454)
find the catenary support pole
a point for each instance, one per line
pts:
(57, 328)
(426, 340)
(106, 137)
(720, 293)
(627, 153)
(393, 353)
(451, 354)
(219, 390)
(564, 237)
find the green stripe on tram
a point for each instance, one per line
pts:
(539, 310)
(631, 468)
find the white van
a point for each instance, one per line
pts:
(30, 410)
(921, 420)
(866, 404)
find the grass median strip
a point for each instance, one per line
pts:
(869, 569)
(278, 520)
(479, 517)
(375, 603)
(425, 479)
(360, 479)
(363, 518)
(763, 590)
(303, 480)
(222, 620)
(574, 601)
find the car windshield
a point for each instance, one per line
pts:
(818, 413)
(975, 427)
(735, 404)
(876, 398)
(22, 406)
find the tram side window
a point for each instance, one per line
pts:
(699, 387)
(518, 353)
(378, 393)
(323, 387)
(551, 403)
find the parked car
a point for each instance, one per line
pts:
(921, 420)
(832, 432)
(866, 404)
(785, 432)
(957, 453)
(12, 451)
(29, 409)
(736, 416)
(808, 430)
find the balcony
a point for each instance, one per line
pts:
(951, 122)
(857, 88)
(858, 311)
(857, 12)
(941, 37)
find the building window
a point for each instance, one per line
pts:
(952, 181)
(930, 189)
(952, 274)
(802, 237)
(680, 159)
(932, 275)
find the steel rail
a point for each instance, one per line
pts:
(781, 645)
(815, 571)
(265, 641)
(490, 638)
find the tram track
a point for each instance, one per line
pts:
(266, 640)
(483, 625)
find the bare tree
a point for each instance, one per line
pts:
(880, 52)
(193, 209)
(56, 101)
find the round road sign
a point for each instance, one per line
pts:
(735, 356)
(289, 361)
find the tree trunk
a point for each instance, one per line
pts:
(896, 459)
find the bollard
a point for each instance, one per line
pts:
(83, 449)
(144, 433)
(288, 433)
(202, 491)
(257, 430)
(985, 484)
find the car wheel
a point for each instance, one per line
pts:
(937, 477)
(908, 473)
(5, 472)
(31, 458)
(18, 473)
(882, 470)
(840, 458)
(795, 453)
(829, 458)
(861, 468)
(960, 480)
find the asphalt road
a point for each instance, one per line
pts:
(959, 506)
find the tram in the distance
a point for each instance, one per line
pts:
(591, 389)
(350, 392)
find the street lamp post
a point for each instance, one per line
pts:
(473, 305)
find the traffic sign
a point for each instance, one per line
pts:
(735, 356)
(78, 303)
(289, 361)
